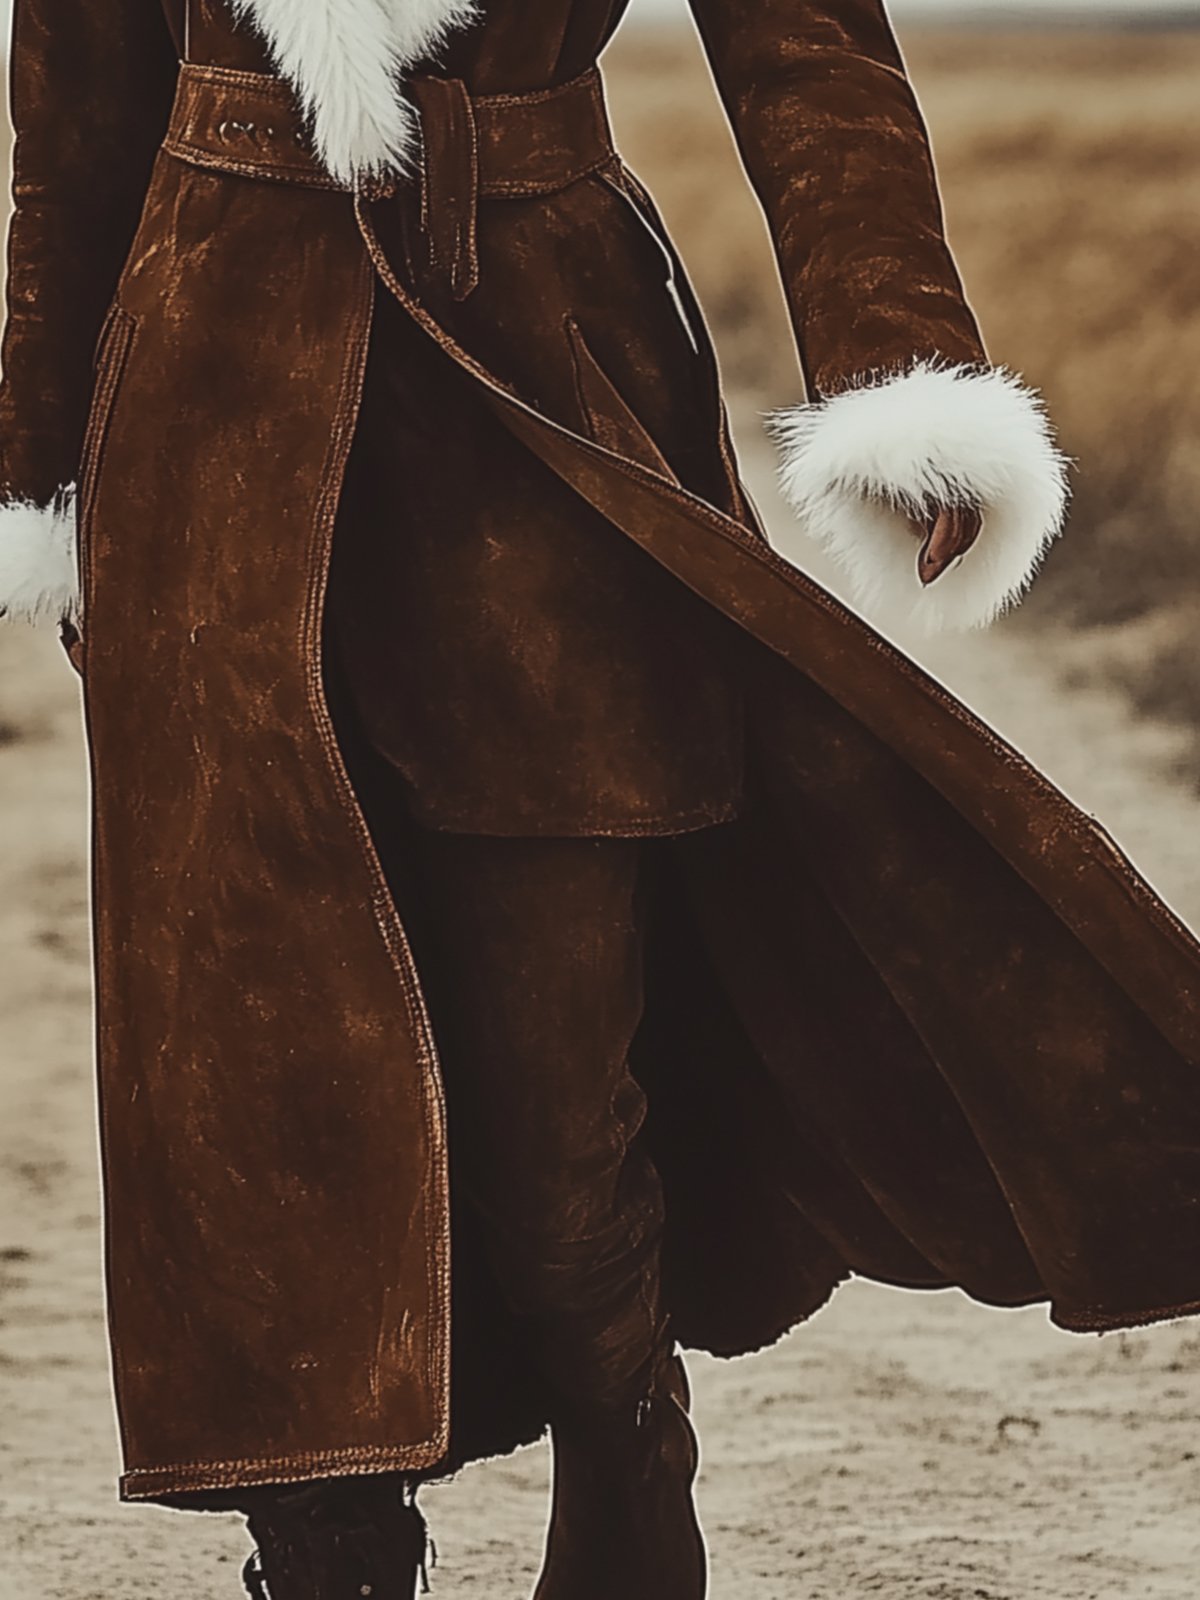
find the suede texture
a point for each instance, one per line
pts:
(910, 1014)
(525, 672)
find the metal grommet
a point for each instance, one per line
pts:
(230, 126)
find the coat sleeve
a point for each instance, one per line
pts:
(904, 410)
(90, 86)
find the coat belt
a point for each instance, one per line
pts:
(503, 146)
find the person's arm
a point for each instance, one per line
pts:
(906, 418)
(90, 87)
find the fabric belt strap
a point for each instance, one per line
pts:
(492, 146)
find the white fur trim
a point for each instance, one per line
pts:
(38, 573)
(857, 466)
(343, 58)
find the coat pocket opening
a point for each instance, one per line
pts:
(112, 350)
(608, 419)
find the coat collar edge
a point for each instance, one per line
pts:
(345, 60)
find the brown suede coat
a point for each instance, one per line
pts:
(911, 1015)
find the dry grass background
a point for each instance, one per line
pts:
(1070, 168)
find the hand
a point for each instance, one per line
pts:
(950, 531)
(72, 643)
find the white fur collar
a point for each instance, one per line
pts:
(344, 58)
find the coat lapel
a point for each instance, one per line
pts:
(345, 59)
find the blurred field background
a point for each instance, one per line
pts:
(1070, 168)
(911, 1445)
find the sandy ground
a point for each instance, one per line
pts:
(901, 1445)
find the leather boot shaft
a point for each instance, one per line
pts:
(623, 1524)
(337, 1539)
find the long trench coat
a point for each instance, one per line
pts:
(911, 1015)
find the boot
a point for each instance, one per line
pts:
(623, 1522)
(337, 1539)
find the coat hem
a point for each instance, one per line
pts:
(585, 827)
(198, 1477)
(1097, 1319)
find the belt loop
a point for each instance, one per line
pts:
(449, 178)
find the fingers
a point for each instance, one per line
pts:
(950, 533)
(72, 643)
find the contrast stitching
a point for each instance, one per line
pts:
(300, 1464)
(516, 188)
(538, 97)
(111, 361)
(278, 172)
(266, 83)
(437, 1259)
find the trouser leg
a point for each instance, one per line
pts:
(533, 962)
(533, 959)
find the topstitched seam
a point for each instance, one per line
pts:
(387, 917)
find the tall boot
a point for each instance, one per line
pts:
(623, 1522)
(336, 1539)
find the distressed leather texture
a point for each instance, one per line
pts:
(910, 1014)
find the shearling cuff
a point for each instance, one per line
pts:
(38, 571)
(858, 466)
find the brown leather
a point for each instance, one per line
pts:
(835, 145)
(525, 672)
(572, 1238)
(580, 690)
(243, 122)
(342, 1186)
(175, 12)
(73, 178)
(623, 1520)
(538, 141)
(496, 146)
(499, 146)
(336, 1539)
(450, 179)
(826, 1092)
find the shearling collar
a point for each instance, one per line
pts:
(344, 58)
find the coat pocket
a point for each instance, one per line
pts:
(112, 352)
(607, 418)
(627, 187)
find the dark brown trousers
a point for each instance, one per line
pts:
(532, 952)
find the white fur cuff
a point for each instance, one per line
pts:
(38, 573)
(857, 467)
